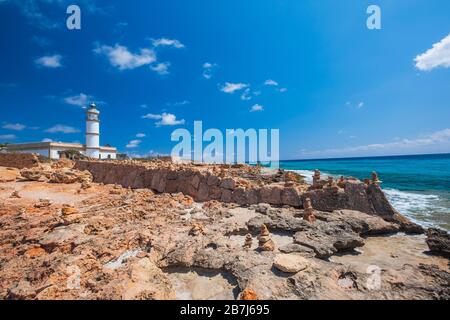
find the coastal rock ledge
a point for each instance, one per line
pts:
(245, 185)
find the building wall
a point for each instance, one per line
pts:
(104, 155)
(42, 152)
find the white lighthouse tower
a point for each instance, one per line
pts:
(92, 132)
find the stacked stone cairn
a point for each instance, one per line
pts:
(265, 242)
(308, 212)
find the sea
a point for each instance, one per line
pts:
(418, 186)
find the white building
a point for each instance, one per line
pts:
(54, 150)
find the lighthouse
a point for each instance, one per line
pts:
(57, 149)
(92, 132)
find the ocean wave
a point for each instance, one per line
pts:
(308, 174)
(420, 208)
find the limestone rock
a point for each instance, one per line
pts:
(147, 282)
(291, 263)
(15, 194)
(43, 203)
(438, 241)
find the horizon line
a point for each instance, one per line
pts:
(364, 157)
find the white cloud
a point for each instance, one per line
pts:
(161, 68)
(60, 128)
(14, 126)
(179, 103)
(282, 89)
(208, 69)
(436, 139)
(123, 59)
(270, 82)
(140, 135)
(437, 56)
(53, 61)
(134, 143)
(81, 100)
(165, 119)
(167, 42)
(233, 87)
(246, 95)
(7, 137)
(358, 105)
(152, 116)
(47, 140)
(256, 107)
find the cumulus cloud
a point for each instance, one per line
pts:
(165, 119)
(229, 87)
(270, 82)
(60, 128)
(140, 135)
(437, 56)
(122, 58)
(53, 61)
(167, 42)
(161, 68)
(81, 100)
(398, 146)
(14, 126)
(133, 143)
(256, 107)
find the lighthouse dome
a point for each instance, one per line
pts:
(93, 108)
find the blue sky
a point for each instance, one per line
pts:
(311, 69)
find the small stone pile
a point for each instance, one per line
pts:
(308, 213)
(265, 242)
(248, 241)
(375, 179)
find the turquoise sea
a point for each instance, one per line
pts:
(418, 186)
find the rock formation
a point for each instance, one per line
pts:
(264, 239)
(438, 241)
(43, 203)
(15, 194)
(197, 229)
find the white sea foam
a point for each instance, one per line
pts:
(308, 174)
(417, 207)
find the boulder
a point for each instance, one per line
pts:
(291, 263)
(438, 241)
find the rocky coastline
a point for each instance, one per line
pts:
(159, 230)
